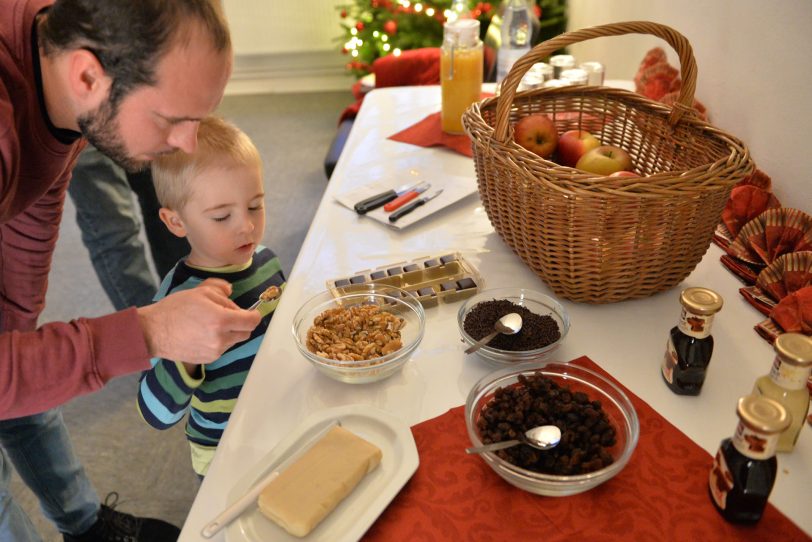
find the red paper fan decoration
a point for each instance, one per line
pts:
(794, 312)
(772, 233)
(787, 274)
(746, 203)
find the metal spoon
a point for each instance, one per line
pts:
(509, 324)
(542, 437)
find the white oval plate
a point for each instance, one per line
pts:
(354, 515)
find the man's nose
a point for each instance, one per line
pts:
(184, 136)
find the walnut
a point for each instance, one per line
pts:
(357, 333)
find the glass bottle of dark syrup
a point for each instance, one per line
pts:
(744, 467)
(690, 345)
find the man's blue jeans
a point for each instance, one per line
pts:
(40, 449)
(108, 218)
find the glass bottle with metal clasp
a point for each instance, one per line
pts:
(461, 69)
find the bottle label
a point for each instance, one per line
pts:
(788, 376)
(754, 445)
(669, 361)
(695, 325)
(720, 480)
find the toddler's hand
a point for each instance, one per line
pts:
(196, 325)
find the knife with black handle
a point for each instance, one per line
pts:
(378, 200)
(406, 209)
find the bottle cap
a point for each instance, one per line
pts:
(462, 32)
(763, 414)
(702, 301)
(794, 348)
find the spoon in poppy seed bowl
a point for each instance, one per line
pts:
(509, 324)
(542, 437)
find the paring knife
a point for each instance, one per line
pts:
(363, 207)
(412, 206)
(405, 198)
(243, 503)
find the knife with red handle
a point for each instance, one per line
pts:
(405, 198)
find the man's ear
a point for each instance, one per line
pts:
(173, 221)
(87, 79)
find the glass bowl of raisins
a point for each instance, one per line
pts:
(545, 324)
(599, 426)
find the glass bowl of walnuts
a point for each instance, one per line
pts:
(599, 426)
(360, 336)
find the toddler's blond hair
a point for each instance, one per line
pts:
(218, 141)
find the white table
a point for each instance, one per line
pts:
(626, 339)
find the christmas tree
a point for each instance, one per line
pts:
(375, 28)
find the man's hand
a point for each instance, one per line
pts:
(197, 325)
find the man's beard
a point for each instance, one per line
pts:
(100, 127)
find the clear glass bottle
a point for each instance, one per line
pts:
(517, 32)
(786, 383)
(690, 345)
(744, 467)
(461, 71)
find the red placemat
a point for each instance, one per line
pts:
(662, 494)
(429, 133)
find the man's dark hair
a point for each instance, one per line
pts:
(129, 37)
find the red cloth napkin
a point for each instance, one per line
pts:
(662, 494)
(745, 272)
(429, 133)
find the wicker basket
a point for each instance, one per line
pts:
(606, 239)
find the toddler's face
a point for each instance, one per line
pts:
(224, 217)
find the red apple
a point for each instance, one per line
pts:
(605, 160)
(573, 144)
(537, 133)
(624, 173)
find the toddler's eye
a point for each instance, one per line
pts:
(256, 208)
(220, 218)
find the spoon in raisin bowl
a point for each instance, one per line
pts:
(509, 324)
(542, 437)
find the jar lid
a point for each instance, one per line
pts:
(576, 76)
(763, 414)
(794, 348)
(462, 32)
(562, 61)
(701, 301)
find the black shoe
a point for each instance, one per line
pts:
(114, 526)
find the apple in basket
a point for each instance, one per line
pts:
(537, 133)
(605, 160)
(624, 173)
(573, 144)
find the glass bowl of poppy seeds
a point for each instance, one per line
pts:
(545, 324)
(599, 426)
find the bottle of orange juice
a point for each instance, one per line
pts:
(460, 71)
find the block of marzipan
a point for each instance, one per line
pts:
(309, 489)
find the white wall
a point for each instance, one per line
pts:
(286, 46)
(754, 72)
(271, 26)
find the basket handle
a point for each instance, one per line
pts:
(543, 50)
